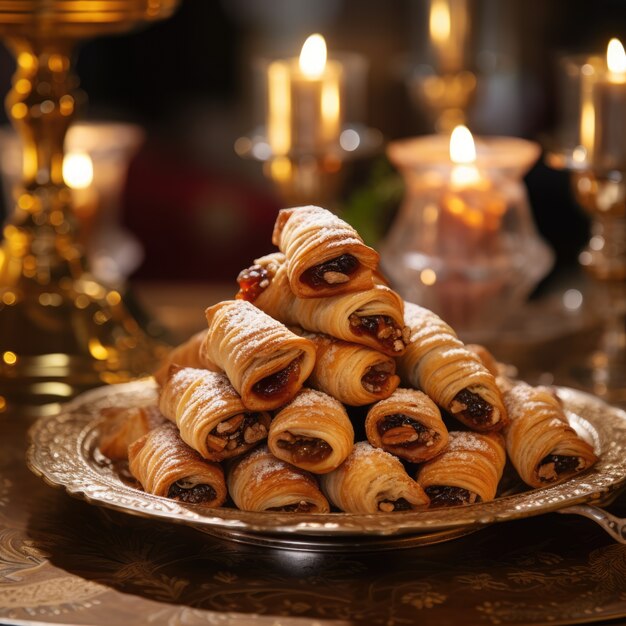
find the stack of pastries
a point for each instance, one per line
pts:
(260, 409)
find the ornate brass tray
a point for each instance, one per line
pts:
(63, 450)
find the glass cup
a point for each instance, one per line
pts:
(464, 243)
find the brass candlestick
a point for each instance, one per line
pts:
(60, 330)
(603, 197)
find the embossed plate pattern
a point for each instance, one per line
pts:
(63, 451)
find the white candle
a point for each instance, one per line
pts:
(304, 112)
(609, 102)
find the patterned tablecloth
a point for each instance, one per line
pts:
(64, 561)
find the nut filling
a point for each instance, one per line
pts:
(333, 272)
(390, 506)
(304, 449)
(297, 507)
(376, 378)
(400, 430)
(382, 328)
(472, 407)
(277, 383)
(252, 281)
(242, 429)
(553, 466)
(447, 495)
(193, 495)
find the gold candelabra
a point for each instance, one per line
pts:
(60, 330)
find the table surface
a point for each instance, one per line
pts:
(64, 561)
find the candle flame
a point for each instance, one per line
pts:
(616, 57)
(439, 21)
(462, 148)
(313, 56)
(77, 170)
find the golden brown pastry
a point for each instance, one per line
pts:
(438, 363)
(187, 354)
(122, 426)
(541, 444)
(486, 358)
(313, 432)
(265, 362)
(371, 480)
(351, 373)
(467, 471)
(407, 424)
(371, 318)
(325, 255)
(166, 466)
(209, 413)
(261, 482)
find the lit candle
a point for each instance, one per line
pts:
(304, 112)
(78, 176)
(448, 22)
(470, 197)
(609, 101)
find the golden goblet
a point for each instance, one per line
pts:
(60, 330)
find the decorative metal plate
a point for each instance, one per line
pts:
(63, 450)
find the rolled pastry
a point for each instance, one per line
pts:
(438, 363)
(371, 480)
(166, 466)
(371, 318)
(467, 471)
(187, 354)
(313, 432)
(261, 482)
(122, 426)
(325, 255)
(542, 446)
(407, 424)
(486, 358)
(209, 413)
(353, 374)
(265, 362)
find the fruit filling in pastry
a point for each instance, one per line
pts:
(241, 429)
(304, 449)
(472, 407)
(553, 466)
(448, 495)
(377, 377)
(333, 272)
(381, 327)
(389, 506)
(276, 383)
(191, 492)
(252, 281)
(402, 430)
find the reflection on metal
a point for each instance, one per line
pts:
(60, 331)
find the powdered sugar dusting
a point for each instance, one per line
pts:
(265, 464)
(465, 441)
(325, 225)
(313, 399)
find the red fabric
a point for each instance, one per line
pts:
(194, 223)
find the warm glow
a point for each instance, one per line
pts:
(616, 57)
(313, 56)
(462, 148)
(428, 277)
(463, 154)
(279, 109)
(77, 170)
(439, 21)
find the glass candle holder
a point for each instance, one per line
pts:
(464, 243)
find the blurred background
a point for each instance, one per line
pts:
(199, 212)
